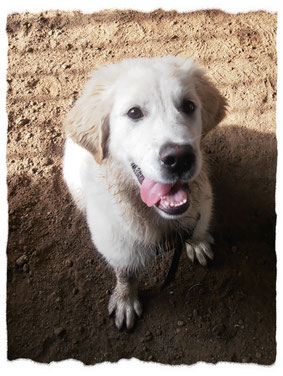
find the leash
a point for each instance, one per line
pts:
(174, 264)
(178, 245)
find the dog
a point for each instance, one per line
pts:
(133, 164)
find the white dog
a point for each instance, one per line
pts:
(133, 163)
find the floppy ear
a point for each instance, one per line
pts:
(88, 121)
(213, 104)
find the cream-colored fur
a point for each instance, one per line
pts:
(101, 144)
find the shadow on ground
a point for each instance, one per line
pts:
(58, 286)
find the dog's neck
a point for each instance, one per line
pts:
(147, 224)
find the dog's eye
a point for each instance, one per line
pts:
(135, 113)
(188, 107)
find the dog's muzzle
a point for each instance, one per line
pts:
(172, 198)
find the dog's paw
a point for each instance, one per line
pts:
(125, 304)
(200, 250)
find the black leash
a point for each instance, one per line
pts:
(174, 264)
(178, 246)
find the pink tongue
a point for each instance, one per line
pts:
(151, 192)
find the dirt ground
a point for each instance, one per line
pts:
(58, 286)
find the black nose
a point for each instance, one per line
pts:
(177, 158)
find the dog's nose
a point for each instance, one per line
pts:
(177, 158)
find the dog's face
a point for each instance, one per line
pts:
(155, 130)
(151, 114)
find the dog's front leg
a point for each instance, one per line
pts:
(199, 246)
(124, 300)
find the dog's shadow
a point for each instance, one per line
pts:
(242, 169)
(242, 166)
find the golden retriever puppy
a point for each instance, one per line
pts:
(134, 165)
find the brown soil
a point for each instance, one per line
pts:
(58, 285)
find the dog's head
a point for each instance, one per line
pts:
(150, 115)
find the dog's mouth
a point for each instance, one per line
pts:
(172, 198)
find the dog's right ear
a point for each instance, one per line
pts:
(88, 121)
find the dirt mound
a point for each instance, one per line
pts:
(58, 286)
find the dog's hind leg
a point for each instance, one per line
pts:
(124, 300)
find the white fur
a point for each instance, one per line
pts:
(122, 228)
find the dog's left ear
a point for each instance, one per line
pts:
(213, 104)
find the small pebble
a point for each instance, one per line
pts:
(148, 336)
(53, 43)
(59, 332)
(66, 66)
(47, 161)
(69, 263)
(24, 121)
(21, 260)
(26, 268)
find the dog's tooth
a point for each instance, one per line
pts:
(166, 204)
